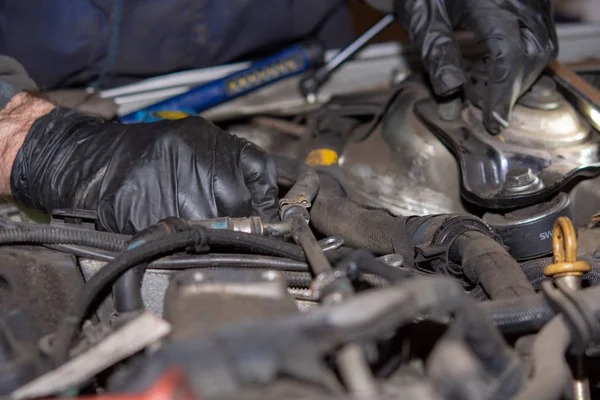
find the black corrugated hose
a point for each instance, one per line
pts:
(534, 270)
(49, 235)
(462, 239)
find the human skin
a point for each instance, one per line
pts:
(15, 121)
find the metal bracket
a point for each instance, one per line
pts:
(492, 170)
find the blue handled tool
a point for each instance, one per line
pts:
(289, 62)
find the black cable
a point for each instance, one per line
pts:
(106, 276)
(245, 242)
(48, 235)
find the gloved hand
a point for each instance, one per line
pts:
(135, 175)
(519, 35)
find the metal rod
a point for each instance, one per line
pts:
(354, 368)
(359, 43)
(311, 84)
(567, 272)
(304, 237)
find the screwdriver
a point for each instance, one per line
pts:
(291, 61)
(311, 84)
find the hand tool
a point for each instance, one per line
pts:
(310, 85)
(289, 62)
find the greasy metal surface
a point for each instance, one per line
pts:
(200, 300)
(537, 128)
(586, 201)
(485, 160)
(40, 281)
(402, 167)
(154, 287)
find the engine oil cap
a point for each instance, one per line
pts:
(527, 232)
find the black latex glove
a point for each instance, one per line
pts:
(519, 35)
(135, 175)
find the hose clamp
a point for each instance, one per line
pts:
(433, 255)
(456, 225)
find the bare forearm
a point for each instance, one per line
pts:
(15, 121)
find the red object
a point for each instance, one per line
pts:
(172, 385)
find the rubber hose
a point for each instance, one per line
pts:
(106, 276)
(304, 189)
(306, 180)
(550, 366)
(127, 290)
(44, 235)
(520, 315)
(534, 270)
(287, 168)
(481, 257)
(333, 214)
(529, 314)
(245, 242)
(485, 261)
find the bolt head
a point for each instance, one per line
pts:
(519, 177)
(522, 180)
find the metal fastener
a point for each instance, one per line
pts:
(522, 180)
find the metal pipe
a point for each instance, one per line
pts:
(354, 368)
(304, 237)
(356, 45)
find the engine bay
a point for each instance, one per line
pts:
(416, 256)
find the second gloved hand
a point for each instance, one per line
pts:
(135, 175)
(519, 35)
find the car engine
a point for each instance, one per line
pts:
(416, 256)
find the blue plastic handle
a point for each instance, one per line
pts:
(289, 62)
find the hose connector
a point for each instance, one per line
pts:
(564, 248)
